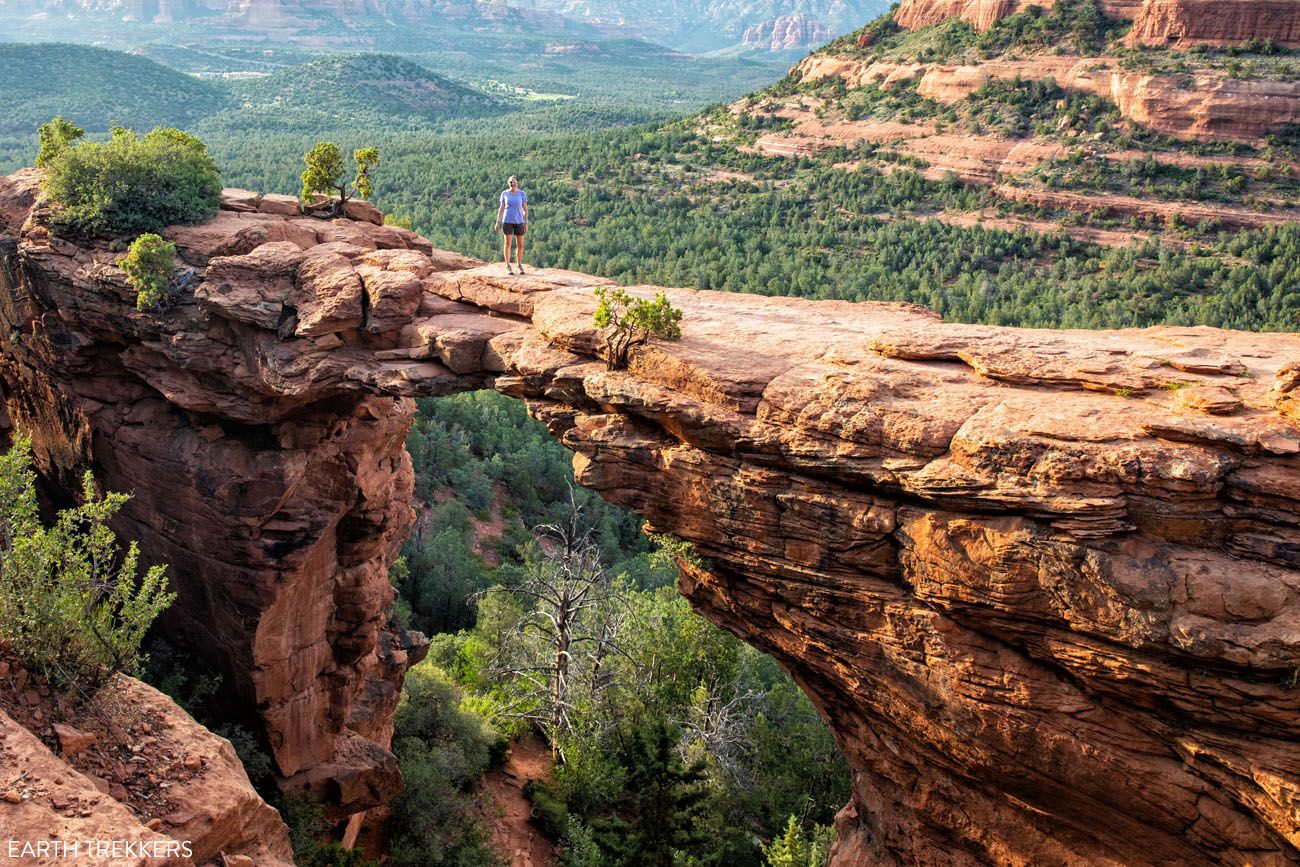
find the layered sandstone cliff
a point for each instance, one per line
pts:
(1206, 108)
(1184, 23)
(1163, 23)
(1044, 586)
(983, 14)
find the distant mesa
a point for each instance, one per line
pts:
(786, 33)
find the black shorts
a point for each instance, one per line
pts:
(514, 228)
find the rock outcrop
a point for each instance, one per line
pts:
(1205, 108)
(1044, 586)
(983, 14)
(201, 808)
(1184, 23)
(786, 33)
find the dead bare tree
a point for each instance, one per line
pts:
(559, 651)
(717, 723)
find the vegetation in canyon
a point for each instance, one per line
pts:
(653, 699)
(74, 604)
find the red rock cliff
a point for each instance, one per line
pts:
(1044, 586)
(1184, 23)
(1172, 23)
(983, 14)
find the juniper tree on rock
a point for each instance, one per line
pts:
(327, 175)
(627, 321)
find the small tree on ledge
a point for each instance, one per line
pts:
(326, 175)
(627, 321)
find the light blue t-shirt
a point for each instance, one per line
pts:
(514, 203)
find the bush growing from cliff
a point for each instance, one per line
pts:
(131, 183)
(326, 174)
(71, 603)
(627, 322)
(149, 264)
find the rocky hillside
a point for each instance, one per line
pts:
(1114, 112)
(131, 767)
(1037, 641)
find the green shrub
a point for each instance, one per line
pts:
(627, 322)
(443, 751)
(578, 847)
(550, 814)
(56, 137)
(149, 263)
(326, 175)
(800, 848)
(70, 602)
(132, 184)
(308, 830)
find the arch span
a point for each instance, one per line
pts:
(1043, 585)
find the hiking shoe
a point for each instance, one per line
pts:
(511, 270)
(521, 269)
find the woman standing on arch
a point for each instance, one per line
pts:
(512, 218)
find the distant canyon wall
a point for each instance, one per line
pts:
(1173, 23)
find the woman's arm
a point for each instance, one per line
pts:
(501, 211)
(525, 209)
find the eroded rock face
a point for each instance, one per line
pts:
(983, 14)
(1206, 108)
(1044, 586)
(1184, 23)
(209, 810)
(786, 33)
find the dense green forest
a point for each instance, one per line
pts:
(357, 89)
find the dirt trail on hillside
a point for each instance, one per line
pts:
(507, 810)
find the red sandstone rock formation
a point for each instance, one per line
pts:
(1047, 603)
(983, 14)
(1165, 23)
(1210, 108)
(208, 802)
(1184, 23)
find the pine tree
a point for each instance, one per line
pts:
(662, 807)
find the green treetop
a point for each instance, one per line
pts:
(327, 175)
(56, 136)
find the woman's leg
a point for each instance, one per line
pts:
(505, 246)
(519, 257)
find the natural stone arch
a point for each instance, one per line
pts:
(1043, 585)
